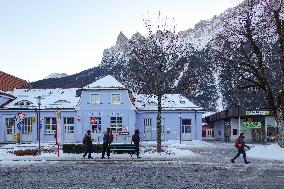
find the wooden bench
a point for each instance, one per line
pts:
(123, 148)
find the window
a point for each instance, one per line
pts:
(68, 124)
(147, 122)
(10, 125)
(115, 98)
(116, 124)
(235, 131)
(95, 98)
(186, 125)
(96, 124)
(204, 133)
(50, 125)
(28, 125)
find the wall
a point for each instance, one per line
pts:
(172, 124)
(105, 110)
(219, 130)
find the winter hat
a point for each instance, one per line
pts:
(88, 131)
(137, 131)
(108, 129)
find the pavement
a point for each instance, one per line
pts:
(210, 168)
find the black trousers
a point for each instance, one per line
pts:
(241, 151)
(106, 149)
(88, 150)
(137, 149)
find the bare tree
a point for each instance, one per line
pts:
(255, 31)
(158, 55)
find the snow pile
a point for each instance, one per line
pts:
(273, 152)
(176, 143)
(167, 153)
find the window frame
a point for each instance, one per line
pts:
(99, 99)
(112, 95)
(68, 125)
(116, 126)
(50, 130)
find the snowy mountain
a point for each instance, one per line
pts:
(209, 84)
(56, 75)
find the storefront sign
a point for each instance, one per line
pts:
(264, 112)
(123, 133)
(252, 125)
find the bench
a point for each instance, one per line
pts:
(123, 148)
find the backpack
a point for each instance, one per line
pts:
(237, 143)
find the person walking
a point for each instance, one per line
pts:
(107, 140)
(87, 141)
(136, 140)
(240, 145)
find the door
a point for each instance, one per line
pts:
(27, 132)
(96, 128)
(147, 129)
(69, 125)
(186, 129)
(9, 129)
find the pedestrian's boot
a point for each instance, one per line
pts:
(232, 161)
(138, 157)
(247, 162)
(107, 157)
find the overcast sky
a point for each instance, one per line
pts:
(39, 37)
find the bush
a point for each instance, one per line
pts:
(26, 152)
(31, 152)
(80, 148)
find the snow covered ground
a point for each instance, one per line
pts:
(172, 150)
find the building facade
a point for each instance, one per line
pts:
(69, 113)
(257, 125)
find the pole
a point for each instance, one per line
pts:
(239, 120)
(180, 128)
(39, 130)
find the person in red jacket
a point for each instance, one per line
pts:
(240, 145)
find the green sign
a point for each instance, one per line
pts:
(264, 112)
(252, 125)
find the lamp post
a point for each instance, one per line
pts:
(39, 98)
(179, 115)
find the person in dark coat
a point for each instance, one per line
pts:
(240, 145)
(136, 140)
(87, 141)
(107, 140)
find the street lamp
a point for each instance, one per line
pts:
(39, 98)
(179, 115)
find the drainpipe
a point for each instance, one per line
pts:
(195, 126)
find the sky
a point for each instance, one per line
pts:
(40, 37)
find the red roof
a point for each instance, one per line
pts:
(9, 82)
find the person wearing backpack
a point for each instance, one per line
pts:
(107, 140)
(87, 141)
(136, 141)
(240, 145)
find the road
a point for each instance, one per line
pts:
(210, 168)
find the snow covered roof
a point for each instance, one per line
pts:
(107, 82)
(52, 98)
(169, 102)
(7, 95)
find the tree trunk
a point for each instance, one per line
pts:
(159, 146)
(280, 117)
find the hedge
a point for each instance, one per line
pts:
(80, 148)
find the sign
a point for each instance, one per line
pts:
(252, 125)
(264, 112)
(123, 133)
